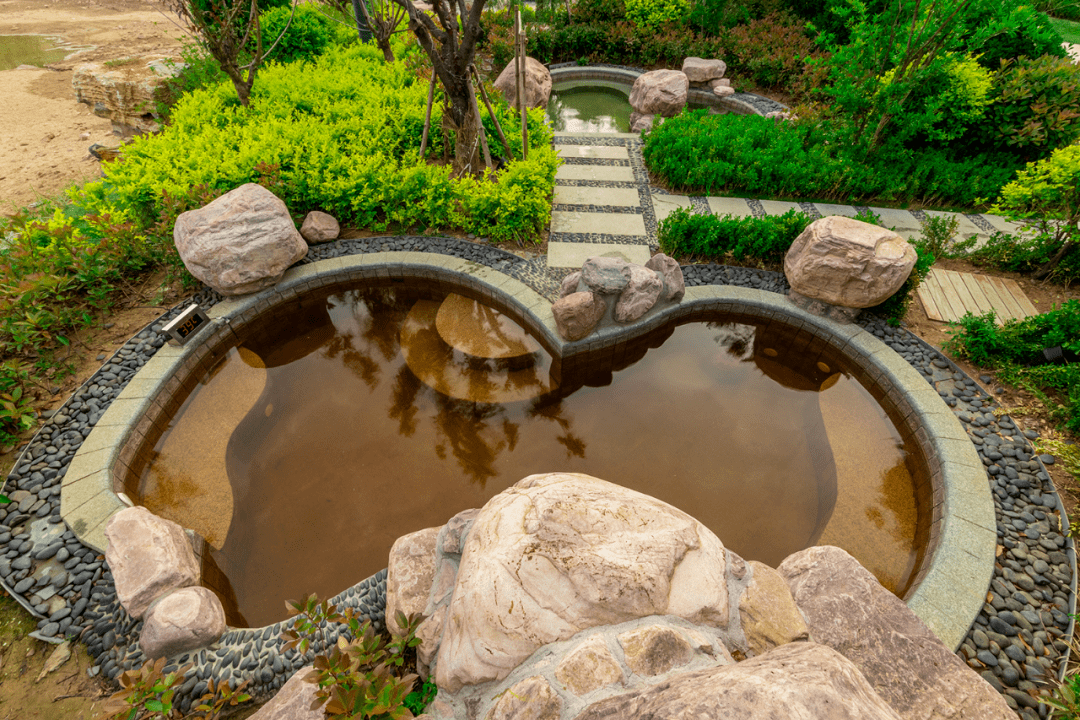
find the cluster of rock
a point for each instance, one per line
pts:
(537, 83)
(157, 579)
(127, 93)
(569, 597)
(839, 265)
(664, 92)
(245, 240)
(583, 300)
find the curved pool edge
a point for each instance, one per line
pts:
(948, 592)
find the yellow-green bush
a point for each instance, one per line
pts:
(653, 13)
(343, 136)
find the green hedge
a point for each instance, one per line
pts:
(750, 155)
(689, 236)
(341, 136)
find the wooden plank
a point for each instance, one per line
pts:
(1021, 298)
(1015, 311)
(933, 289)
(948, 296)
(928, 302)
(962, 292)
(1001, 310)
(977, 295)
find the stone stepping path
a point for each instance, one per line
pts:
(947, 296)
(603, 197)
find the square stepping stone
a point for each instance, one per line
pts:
(1001, 224)
(617, 152)
(778, 207)
(575, 195)
(572, 255)
(607, 173)
(597, 223)
(964, 228)
(664, 205)
(729, 206)
(902, 221)
(827, 209)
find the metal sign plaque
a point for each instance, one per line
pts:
(186, 324)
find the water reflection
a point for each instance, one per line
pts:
(371, 425)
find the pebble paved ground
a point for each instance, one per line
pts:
(603, 196)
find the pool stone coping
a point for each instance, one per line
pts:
(949, 590)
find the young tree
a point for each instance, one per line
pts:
(451, 46)
(226, 28)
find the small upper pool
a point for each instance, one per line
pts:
(589, 106)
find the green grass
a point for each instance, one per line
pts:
(1068, 29)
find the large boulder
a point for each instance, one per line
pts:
(768, 614)
(700, 70)
(126, 93)
(409, 575)
(293, 701)
(537, 83)
(149, 556)
(578, 314)
(849, 263)
(189, 618)
(660, 92)
(847, 609)
(801, 681)
(240, 243)
(561, 552)
(642, 290)
(670, 271)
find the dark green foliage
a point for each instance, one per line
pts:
(708, 237)
(1035, 106)
(1068, 9)
(1000, 31)
(1027, 253)
(746, 154)
(307, 35)
(897, 305)
(1010, 347)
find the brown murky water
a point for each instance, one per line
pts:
(356, 423)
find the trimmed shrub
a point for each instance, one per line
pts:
(650, 14)
(1035, 106)
(305, 37)
(1001, 31)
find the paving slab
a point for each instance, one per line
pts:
(778, 207)
(598, 223)
(615, 152)
(900, 220)
(607, 173)
(572, 255)
(576, 195)
(664, 205)
(827, 209)
(729, 206)
(964, 227)
(1002, 225)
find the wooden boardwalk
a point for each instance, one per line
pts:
(948, 295)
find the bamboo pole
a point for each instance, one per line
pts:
(427, 115)
(480, 122)
(519, 57)
(494, 117)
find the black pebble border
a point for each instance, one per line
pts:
(1019, 639)
(981, 222)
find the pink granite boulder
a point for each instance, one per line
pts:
(183, 620)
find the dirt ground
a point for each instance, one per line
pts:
(44, 133)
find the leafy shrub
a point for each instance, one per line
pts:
(765, 239)
(343, 136)
(358, 676)
(653, 13)
(198, 70)
(772, 50)
(746, 154)
(307, 35)
(896, 306)
(1012, 346)
(147, 692)
(938, 233)
(599, 11)
(1035, 105)
(1068, 9)
(1003, 31)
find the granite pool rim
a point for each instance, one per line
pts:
(950, 587)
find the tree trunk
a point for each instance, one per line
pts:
(1047, 269)
(384, 45)
(466, 134)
